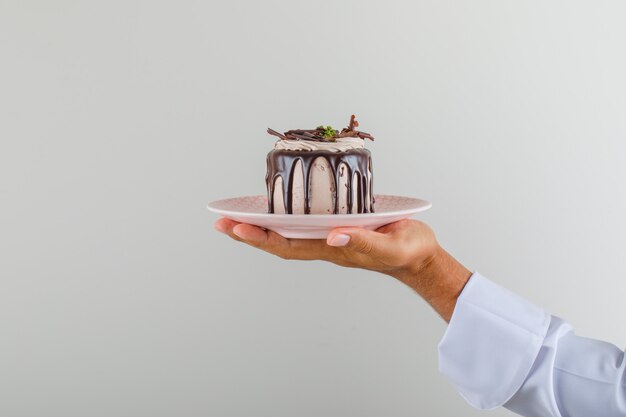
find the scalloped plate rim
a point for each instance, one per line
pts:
(317, 226)
(426, 205)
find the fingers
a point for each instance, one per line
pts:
(251, 234)
(341, 235)
(242, 232)
(265, 240)
(303, 249)
(397, 226)
(226, 226)
(391, 245)
(363, 241)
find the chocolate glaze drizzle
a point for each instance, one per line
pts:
(282, 163)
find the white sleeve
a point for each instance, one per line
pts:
(500, 349)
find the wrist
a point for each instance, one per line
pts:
(439, 279)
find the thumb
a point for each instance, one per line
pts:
(367, 242)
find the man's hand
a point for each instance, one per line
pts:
(389, 249)
(406, 250)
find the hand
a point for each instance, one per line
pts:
(406, 250)
(390, 249)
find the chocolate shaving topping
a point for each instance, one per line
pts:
(353, 123)
(275, 133)
(323, 134)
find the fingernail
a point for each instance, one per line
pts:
(339, 240)
(238, 234)
(242, 235)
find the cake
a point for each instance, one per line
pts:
(320, 171)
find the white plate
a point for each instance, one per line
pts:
(253, 210)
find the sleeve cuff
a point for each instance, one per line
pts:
(491, 343)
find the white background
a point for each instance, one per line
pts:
(119, 120)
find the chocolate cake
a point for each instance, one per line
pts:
(320, 171)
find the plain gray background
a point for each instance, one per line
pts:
(120, 120)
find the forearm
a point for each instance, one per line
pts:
(439, 280)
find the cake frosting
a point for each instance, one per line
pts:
(340, 145)
(320, 171)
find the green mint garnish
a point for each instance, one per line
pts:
(329, 132)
